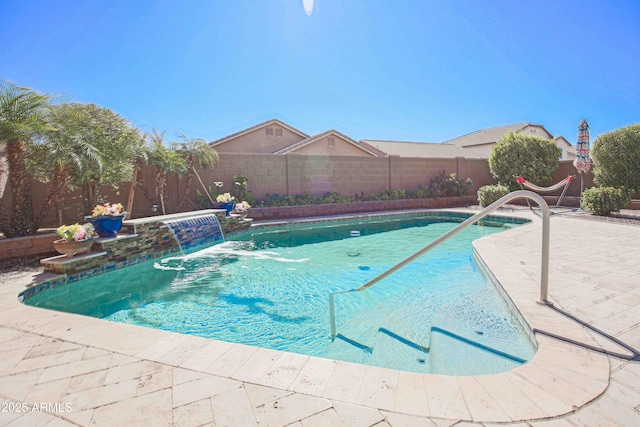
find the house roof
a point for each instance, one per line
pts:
(417, 149)
(489, 136)
(452, 148)
(563, 140)
(313, 138)
(256, 127)
(373, 148)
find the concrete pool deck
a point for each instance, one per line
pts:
(65, 369)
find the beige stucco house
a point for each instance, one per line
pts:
(331, 142)
(267, 137)
(479, 143)
(277, 137)
(417, 149)
(568, 150)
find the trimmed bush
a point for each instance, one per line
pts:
(448, 185)
(616, 156)
(490, 193)
(531, 157)
(604, 200)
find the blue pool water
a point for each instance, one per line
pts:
(269, 287)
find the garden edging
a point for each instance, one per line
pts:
(284, 212)
(26, 246)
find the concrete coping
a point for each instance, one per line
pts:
(63, 259)
(112, 239)
(159, 218)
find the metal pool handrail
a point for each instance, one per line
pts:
(544, 268)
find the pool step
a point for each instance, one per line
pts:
(390, 349)
(103, 251)
(346, 348)
(393, 350)
(447, 346)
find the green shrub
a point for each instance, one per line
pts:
(448, 185)
(490, 193)
(275, 200)
(392, 194)
(333, 197)
(240, 190)
(616, 156)
(441, 186)
(532, 157)
(422, 192)
(604, 200)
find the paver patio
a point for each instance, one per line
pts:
(94, 372)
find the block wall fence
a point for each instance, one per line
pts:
(292, 174)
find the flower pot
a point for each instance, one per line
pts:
(242, 215)
(228, 207)
(70, 249)
(107, 226)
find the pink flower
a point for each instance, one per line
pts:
(80, 234)
(108, 209)
(75, 232)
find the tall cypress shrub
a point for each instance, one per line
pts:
(616, 158)
(531, 157)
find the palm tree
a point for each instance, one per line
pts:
(166, 161)
(117, 141)
(197, 153)
(64, 151)
(142, 159)
(22, 118)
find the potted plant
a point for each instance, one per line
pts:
(75, 239)
(107, 219)
(226, 201)
(241, 209)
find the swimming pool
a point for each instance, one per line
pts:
(269, 287)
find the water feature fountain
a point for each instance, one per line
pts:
(142, 239)
(195, 231)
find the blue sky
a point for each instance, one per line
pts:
(372, 69)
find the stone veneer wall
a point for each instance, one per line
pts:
(106, 254)
(140, 240)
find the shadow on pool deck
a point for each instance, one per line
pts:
(631, 355)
